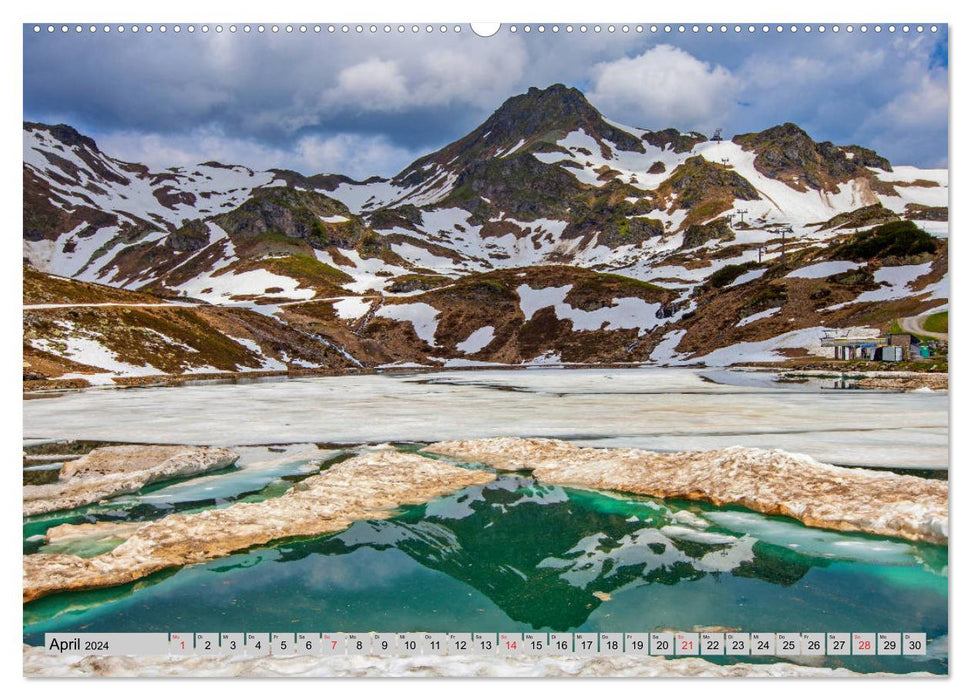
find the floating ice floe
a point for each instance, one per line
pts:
(366, 487)
(767, 481)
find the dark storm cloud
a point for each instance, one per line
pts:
(369, 103)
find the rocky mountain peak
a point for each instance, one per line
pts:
(534, 120)
(64, 133)
(539, 114)
(538, 111)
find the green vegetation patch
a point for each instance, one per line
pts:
(897, 239)
(873, 215)
(728, 274)
(936, 323)
(482, 288)
(306, 268)
(698, 234)
(412, 283)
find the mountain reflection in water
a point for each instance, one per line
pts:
(516, 554)
(541, 552)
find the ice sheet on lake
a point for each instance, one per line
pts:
(814, 542)
(921, 447)
(672, 409)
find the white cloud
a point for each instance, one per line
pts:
(797, 72)
(924, 105)
(350, 154)
(664, 86)
(480, 75)
(372, 85)
(484, 78)
(353, 154)
(913, 125)
(430, 89)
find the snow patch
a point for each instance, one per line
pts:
(768, 350)
(477, 340)
(351, 308)
(823, 269)
(758, 317)
(625, 312)
(423, 318)
(747, 277)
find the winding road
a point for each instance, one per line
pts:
(915, 326)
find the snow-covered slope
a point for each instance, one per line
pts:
(80, 175)
(90, 207)
(544, 182)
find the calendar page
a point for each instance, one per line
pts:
(447, 349)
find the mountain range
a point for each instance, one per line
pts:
(549, 234)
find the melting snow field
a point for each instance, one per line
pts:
(666, 409)
(627, 312)
(897, 283)
(477, 340)
(422, 317)
(824, 269)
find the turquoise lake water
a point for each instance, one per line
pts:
(518, 555)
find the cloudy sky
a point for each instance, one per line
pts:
(369, 104)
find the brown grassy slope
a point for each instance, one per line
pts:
(42, 288)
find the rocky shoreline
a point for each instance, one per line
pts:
(876, 379)
(933, 382)
(37, 663)
(766, 481)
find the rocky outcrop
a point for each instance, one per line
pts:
(698, 234)
(768, 481)
(494, 168)
(523, 187)
(534, 119)
(873, 215)
(674, 139)
(908, 382)
(788, 154)
(193, 236)
(703, 189)
(295, 214)
(111, 471)
(370, 486)
(922, 212)
(697, 181)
